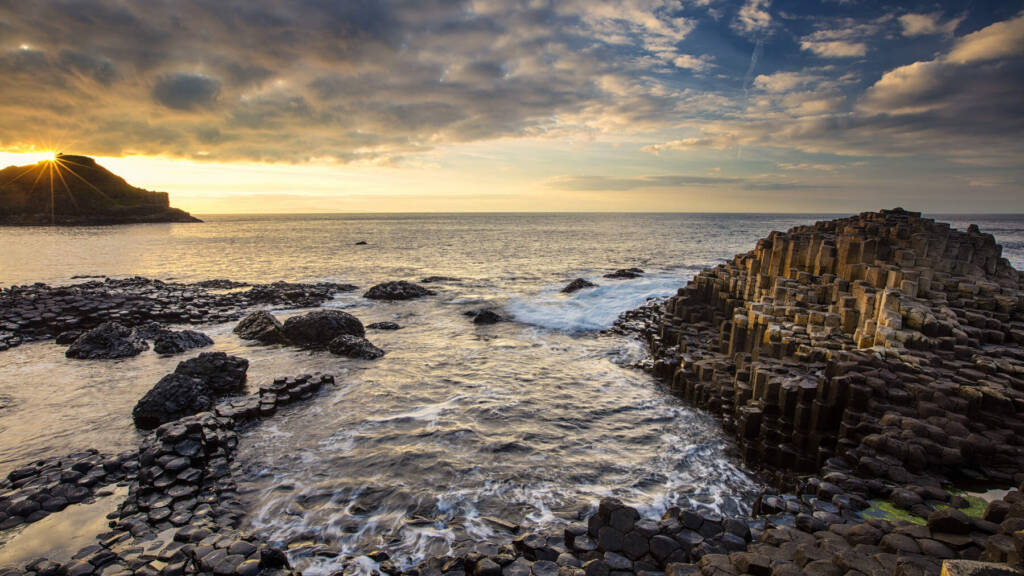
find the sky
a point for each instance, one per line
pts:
(249, 106)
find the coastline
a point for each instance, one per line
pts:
(827, 503)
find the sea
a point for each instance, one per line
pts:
(529, 421)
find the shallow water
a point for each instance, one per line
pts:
(529, 421)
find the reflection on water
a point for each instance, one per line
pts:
(60, 535)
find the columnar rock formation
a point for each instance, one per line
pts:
(886, 338)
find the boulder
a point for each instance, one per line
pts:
(223, 374)
(317, 329)
(174, 396)
(399, 290)
(176, 342)
(949, 521)
(106, 341)
(354, 347)
(261, 326)
(577, 284)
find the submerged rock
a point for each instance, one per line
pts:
(399, 290)
(107, 341)
(354, 347)
(174, 396)
(625, 273)
(317, 329)
(261, 326)
(577, 284)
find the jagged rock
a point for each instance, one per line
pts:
(316, 329)
(398, 290)
(577, 284)
(174, 396)
(107, 341)
(222, 373)
(354, 347)
(261, 326)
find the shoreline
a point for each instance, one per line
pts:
(826, 502)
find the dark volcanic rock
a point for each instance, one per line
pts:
(178, 342)
(577, 284)
(354, 347)
(485, 316)
(68, 337)
(263, 327)
(317, 329)
(400, 290)
(625, 273)
(106, 341)
(384, 326)
(174, 396)
(223, 374)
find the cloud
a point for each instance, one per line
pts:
(926, 24)
(844, 38)
(695, 63)
(763, 182)
(999, 40)
(186, 91)
(784, 81)
(835, 48)
(753, 17)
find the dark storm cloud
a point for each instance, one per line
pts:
(186, 91)
(376, 80)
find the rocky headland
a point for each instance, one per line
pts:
(870, 366)
(76, 191)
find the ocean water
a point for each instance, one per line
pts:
(531, 420)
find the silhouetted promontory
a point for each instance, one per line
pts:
(76, 191)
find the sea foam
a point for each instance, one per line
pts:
(592, 308)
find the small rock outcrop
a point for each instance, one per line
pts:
(224, 374)
(169, 342)
(399, 290)
(316, 329)
(577, 284)
(354, 347)
(485, 316)
(263, 327)
(384, 326)
(107, 341)
(626, 273)
(193, 387)
(174, 396)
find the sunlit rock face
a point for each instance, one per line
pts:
(75, 190)
(888, 340)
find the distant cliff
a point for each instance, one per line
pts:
(76, 191)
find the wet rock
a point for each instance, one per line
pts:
(261, 326)
(577, 284)
(354, 347)
(316, 329)
(397, 290)
(223, 374)
(625, 273)
(174, 396)
(172, 342)
(67, 337)
(485, 316)
(109, 340)
(384, 326)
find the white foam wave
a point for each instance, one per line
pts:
(593, 308)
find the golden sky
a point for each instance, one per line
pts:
(484, 105)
